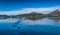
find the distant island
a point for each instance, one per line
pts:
(34, 15)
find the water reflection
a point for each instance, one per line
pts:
(56, 20)
(24, 26)
(20, 22)
(44, 21)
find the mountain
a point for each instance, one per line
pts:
(4, 16)
(29, 14)
(32, 15)
(55, 12)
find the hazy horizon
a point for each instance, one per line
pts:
(13, 7)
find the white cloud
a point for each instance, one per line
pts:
(29, 10)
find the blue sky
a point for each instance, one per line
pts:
(28, 5)
(6, 5)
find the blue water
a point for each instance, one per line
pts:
(43, 26)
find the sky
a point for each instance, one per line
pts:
(27, 6)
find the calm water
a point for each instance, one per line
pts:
(43, 26)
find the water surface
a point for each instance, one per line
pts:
(45, 26)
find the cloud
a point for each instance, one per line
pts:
(29, 10)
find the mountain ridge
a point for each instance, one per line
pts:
(33, 15)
